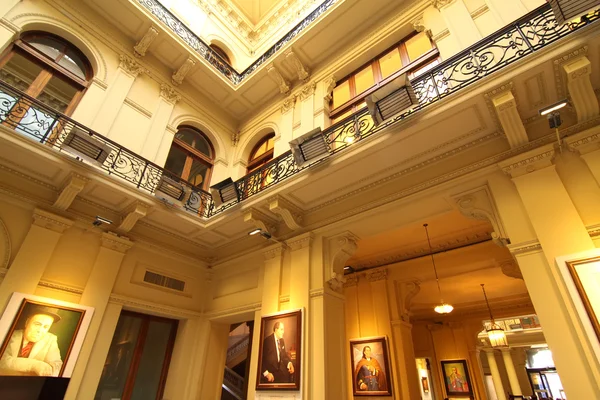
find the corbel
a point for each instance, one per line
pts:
(284, 85)
(290, 214)
(133, 214)
(302, 71)
(183, 70)
(260, 220)
(73, 185)
(139, 50)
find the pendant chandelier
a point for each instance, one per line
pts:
(495, 332)
(442, 308)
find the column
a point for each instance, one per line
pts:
(96, 294)
(165, 146)
(506, 10)
(90, 103)
(286, 126)
(405, 359)
(587, 144)
(515, 387)
(500, 393)
(459, 21)
(323, 96)
(559, 230)
(115, 96)
(158, 125)
(26, 270)
(8, 30)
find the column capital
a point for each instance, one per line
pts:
(274, 251)
(530, 161)
(288, 104)
(169, 94)
(307, 91)
(300, 241)
(488, 350)
(115, 242)
(584, 142)
(51, 221)
(439, 4)
(130, 66)
(351, 280)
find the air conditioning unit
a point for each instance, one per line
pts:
(568, 10)
(309, 147)
(81, 144)
(224, 192)
(171, 191)
(394, 98)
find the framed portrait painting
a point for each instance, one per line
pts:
(456, 378)
(41, 336)
(370, 367)
(279, 354)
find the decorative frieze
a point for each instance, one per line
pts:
(377, 274)
(183, 70)
(169, 94)
(115, 242)
(139, 50)
(351, 280)
(51, 221)
(275, 251)
(130, 66)
(528, 162)
(584, 142)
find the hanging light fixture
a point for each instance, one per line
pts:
(442, 308)
(495, 332)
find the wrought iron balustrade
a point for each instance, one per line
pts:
(39, 122)
(213, 58)
(521, 38)
(525, 36)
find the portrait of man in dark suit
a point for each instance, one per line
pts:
(279, 353)
(277, 366)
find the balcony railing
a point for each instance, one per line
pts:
(214, 59)
(37, 121)
(525, 36)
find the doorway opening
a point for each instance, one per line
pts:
(237, 365)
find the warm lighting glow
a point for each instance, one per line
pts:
(553, 107)
(351, 139)
(443, 308)
(497, 336)
(254, 232)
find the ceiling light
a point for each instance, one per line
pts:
(260, 232)
(495, 332)
(553, 107)
(100, 220)
(442, 308)
(254, 232)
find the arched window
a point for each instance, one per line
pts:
(221, 53)
(48, 68)
(262, 153)
(191, 156)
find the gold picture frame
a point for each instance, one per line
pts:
(581, 270)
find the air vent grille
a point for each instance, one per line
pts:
(164, 281)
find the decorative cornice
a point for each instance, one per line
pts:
(351, 280)
(169, 94)
(115, 242)
(275, 251)
(233, 310)
(154, 308)
(528, 162)
(584, 142)
(139, 50)
(300, 242)
(316, 293)
(10, 26)
(374, 275)
(533, 246)
(130, 66)
(60, 286)
(51, 221)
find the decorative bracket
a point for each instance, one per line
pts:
(338, 249)
(260, 220)
(290, 214)
(139, 50)
(72, 187)
(407, 291)
(478, 204)
(183, 70)
(303, 72)
(284, 85)
(137, 211)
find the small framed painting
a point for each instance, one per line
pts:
(370, 367)
(41, 336)
(586, 276)
(456, 378)
(279, 354)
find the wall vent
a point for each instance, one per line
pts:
(164, 281)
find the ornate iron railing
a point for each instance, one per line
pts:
(41, 123)
(534, 31)
(214, 59)
(508, 45)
